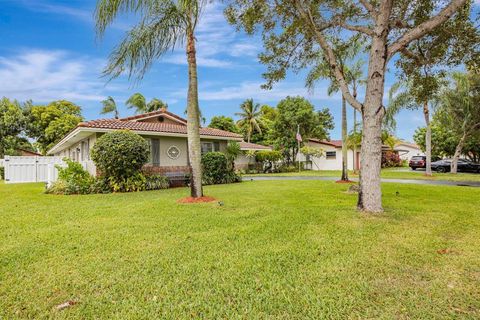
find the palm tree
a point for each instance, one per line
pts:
(345, 52)
(164, 25)
(109, 106)
(138, 101)
(407, 99)
(249, 117)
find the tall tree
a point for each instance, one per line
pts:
(292, 113)
(297, 32)
(223, 123)
(422, 69)
(164, 24)
(49, 124)
(110, 106)
(139, 103)
(249, 118)
(345, 53)
(11, 125)
(460, 110)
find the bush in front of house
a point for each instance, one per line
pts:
(268, 159)
(2, 173)
(216, 169)
(391, 159)
(119, 157)
(72, 179)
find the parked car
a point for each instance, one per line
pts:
(417, 162)
(463, 166)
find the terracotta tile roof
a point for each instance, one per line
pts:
(117, 124)
(333, 143)
(152, 114)
(253, 146)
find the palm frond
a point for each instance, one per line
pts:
(162, 29)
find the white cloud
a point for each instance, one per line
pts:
(218, 44)
(44, 76)
(253, 90)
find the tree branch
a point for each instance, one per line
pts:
(362, 29)
(424, 28)
(369, 7)
(329, 55)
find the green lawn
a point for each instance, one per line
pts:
(393, 173)
(274, 250)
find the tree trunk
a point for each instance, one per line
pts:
(428, 140)
(193, 120)
(458, 152)
(344, 141)
(370, 195)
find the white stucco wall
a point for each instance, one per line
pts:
(322, 163)
(411, 151)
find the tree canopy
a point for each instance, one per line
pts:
(49, 124)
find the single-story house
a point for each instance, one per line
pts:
(332, 155)
(27, 153)
(406, 150)
(165, 132)
(243, 161)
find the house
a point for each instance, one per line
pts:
(27, 153)
(332, 155)
(165, 132)
(243, 161)
(406, 150)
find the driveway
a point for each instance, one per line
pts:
(408, 181)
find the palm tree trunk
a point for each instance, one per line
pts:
(428, 140)
(344, 141)
(193, 120)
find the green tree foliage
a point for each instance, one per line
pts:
(294, 111)
(459, 110)
(11, 125)
(223, 123)
(119, 155)
(216, 169)
(49, 124)
(249, 118)
(109, 106)
(140, 104)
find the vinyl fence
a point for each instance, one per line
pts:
(31, 169)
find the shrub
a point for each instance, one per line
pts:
(156, 182)
(216, 169)
(391, 159)
(119, 156)
(268, 158)
(72, 179)
(2, 173)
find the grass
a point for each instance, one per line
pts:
(274, 250)
(390, 173)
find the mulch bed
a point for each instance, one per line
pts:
(197, 200)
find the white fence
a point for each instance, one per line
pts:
(36, 169)
(31, 169)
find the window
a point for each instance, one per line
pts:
(154, 158)
(85, 150)
(331, 154)
(207, 147)
(216, 146)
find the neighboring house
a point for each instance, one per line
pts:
(332, 155)
(407, 150)
(165, 132)
(27, 153)
(242, 162)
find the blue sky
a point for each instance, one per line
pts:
(49, 52)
